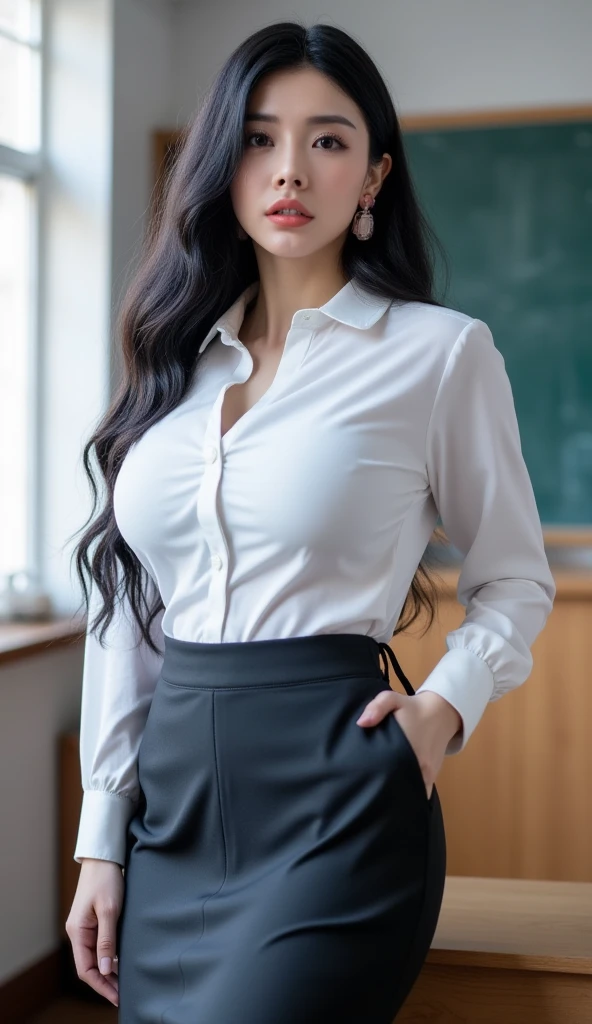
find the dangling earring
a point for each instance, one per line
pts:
(363, 223)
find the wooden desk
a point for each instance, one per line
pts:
(507, 951)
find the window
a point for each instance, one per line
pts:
(20, 163)
(20, 72)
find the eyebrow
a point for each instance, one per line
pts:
(315, 119)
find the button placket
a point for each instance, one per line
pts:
(210, 523)
(214, 450)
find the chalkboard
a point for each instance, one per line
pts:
(512, 205)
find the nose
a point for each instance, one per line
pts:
(281, 179)
(290, 171)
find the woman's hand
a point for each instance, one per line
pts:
(92, 924)
(429, 724)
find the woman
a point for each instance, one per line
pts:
(296, 410)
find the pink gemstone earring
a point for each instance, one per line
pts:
(363, 222)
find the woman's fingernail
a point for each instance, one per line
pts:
(365, 717)
(105, 964)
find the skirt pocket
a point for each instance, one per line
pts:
(413, 762)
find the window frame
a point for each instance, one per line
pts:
(29, 167)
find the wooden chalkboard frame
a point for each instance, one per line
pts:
(165, 144)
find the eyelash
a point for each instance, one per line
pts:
(326, 135)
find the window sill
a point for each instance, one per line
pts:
(23, 639)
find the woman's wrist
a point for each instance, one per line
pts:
(448, 718)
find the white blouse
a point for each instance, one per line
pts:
(311, 514)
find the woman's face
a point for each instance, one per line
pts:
(287, 156)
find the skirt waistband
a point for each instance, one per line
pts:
(276, 662)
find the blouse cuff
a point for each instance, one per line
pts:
(102, 831)
(466, 681)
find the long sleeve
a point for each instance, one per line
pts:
(484, 495)
(117, 687)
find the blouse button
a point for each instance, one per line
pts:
(211, 453)
(216, 562)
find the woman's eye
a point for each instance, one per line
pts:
(322, 138)
(332, 138)
(255, 135)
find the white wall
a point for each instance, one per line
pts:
(75, 268)
(142, 73)
(108, 85)
(436, 55)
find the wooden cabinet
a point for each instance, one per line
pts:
(69, 815)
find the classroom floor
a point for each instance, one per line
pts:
(74, 1011)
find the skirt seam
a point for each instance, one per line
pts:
(223, 830)
(193, 944)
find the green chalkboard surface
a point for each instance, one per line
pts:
(513, 208)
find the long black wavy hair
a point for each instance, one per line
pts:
(192, 267)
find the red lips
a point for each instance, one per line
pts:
(289, 204)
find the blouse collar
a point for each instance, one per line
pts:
(351, 305)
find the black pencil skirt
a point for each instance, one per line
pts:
(284, 865)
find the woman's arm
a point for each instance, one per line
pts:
(117, 688)
(484, 495)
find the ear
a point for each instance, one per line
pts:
(377, 173)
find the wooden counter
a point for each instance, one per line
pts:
(507, 950)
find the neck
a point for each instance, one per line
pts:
(287, 285)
